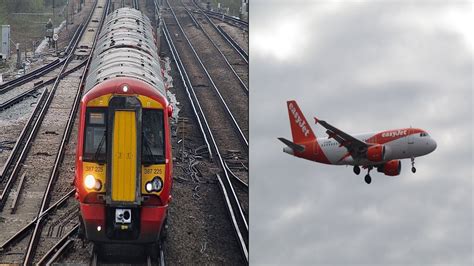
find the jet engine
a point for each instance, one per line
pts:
(376, 153)
(391, 168)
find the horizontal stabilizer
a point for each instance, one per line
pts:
(292, 145)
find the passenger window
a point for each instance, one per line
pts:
(153, 148)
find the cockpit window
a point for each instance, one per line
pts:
(423, 134)
(95, 138)
(153, 147)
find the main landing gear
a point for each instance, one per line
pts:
(367, 177)
(413, 169)
(356, 169)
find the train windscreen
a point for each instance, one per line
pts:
(95, 135)
(153, 147)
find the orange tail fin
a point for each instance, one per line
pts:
(300, 129)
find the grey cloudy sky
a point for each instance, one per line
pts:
(363, 66)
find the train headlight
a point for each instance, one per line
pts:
(154, 185)
(91, 183)
(149, 187)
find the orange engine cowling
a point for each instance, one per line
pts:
(391, 168)
(376, 153)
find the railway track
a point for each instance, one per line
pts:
(228, 37)
(232, 55)
(228, 96)
(37, 73)
(221, 132)
(36, 157)
(35, 78)
(36, 86)
(116, 4)
(149, 261)
(12, 167)
(243, 25)
(59, 248)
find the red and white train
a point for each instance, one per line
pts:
(123, 172)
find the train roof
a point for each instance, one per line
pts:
(126, 48)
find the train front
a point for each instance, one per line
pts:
(123, 157)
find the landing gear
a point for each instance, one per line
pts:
(413, 169)
(356, 169)
(367, 177)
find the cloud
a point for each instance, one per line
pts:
(362, 66)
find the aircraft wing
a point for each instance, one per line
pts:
(354, 146)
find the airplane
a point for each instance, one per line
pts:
(381, 150)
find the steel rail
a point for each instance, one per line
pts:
(232, 42)
(242, 83)
(231, 116)
(244, 25)
(238, 22)
(20, 187)
(7, 86)
(231, 197)
(58, 248)
(30, 253)
(22, 136)
(240, 181)
(59, 252)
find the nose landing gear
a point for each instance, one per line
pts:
(413, 169)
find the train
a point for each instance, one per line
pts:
(123, 174)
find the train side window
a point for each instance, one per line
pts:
(95, 139)
(153, 139)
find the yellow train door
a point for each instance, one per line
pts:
(124, 157)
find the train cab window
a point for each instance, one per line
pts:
(153, 148)
(95, 141)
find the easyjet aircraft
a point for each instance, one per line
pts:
(381, 150)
